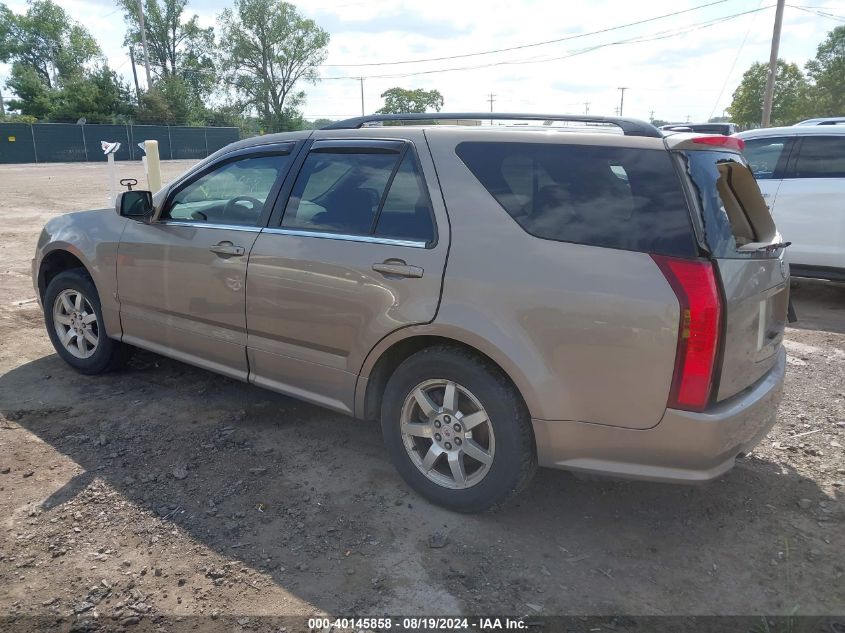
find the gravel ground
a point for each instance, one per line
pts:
(165, 490)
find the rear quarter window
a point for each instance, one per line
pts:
(732, 210)
(615, 197)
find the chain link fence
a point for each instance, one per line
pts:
(67, 142)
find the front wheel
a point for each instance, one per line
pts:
(74, 322)
(457, 430)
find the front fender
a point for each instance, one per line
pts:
(92, 237)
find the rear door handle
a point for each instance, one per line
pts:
(227, 249)
(398, 268)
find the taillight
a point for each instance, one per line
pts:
(694, 283)
(730, 142)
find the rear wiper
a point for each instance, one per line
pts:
(769, 248)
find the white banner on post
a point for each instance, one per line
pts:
(110, 149)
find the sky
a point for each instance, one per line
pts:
(677, 68)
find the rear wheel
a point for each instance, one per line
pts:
(457, 430)
(74, 321)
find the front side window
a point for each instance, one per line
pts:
(616, 197)
(365, 193)
(821, 157)
(233, 193)
(764, 154)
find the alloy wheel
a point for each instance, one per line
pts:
(447, 433)
(76, 323)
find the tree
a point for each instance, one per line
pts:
(401, 100)
(790, 102)
(267, 47)
(827, 71)
(181, 56)
(46, 40)
(319, 124)
(154, 109)
(98, 97)
(58, 72)
(34, 97)
(174, 46)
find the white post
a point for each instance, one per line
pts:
(112, 179)
(152, 165)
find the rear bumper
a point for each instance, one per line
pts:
(683, 447)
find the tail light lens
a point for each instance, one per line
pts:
(728, 142)
(694, 283)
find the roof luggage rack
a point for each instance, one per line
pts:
(629, 127)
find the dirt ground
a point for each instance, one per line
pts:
(165, 490)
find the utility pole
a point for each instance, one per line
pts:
(622, 99)
(651, 116)
(2, 107)
(361, 79)
(491, 99)
(135, 73)
(586, 107)
(768, 96)
(144, 42)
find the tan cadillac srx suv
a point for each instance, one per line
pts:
(580, 293)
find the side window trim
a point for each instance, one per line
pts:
(387, 187)
(276, 149)
(786, 163)
(423, 186)
(274, 225)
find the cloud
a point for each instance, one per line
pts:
(674, 77)
(405, 23)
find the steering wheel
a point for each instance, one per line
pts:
(255, 205)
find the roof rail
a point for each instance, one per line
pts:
(630, 127)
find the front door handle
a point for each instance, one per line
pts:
(227, 249)
(398, 268)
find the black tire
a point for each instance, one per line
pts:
(109, 354)
(514, 459)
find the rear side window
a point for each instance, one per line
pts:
(821, 157)
(615, 197)
(733, 212)
(339, 193)
(764, 154)
(368, 193)
(406, 213)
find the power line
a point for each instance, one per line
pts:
(637, 39)
(659, 35)
(523, 46)
(823, 14)
(733, 65)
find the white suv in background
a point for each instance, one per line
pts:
(828, 120)
(801, 173)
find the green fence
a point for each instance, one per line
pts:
(66, 142)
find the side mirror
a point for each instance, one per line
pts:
(137, 205)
